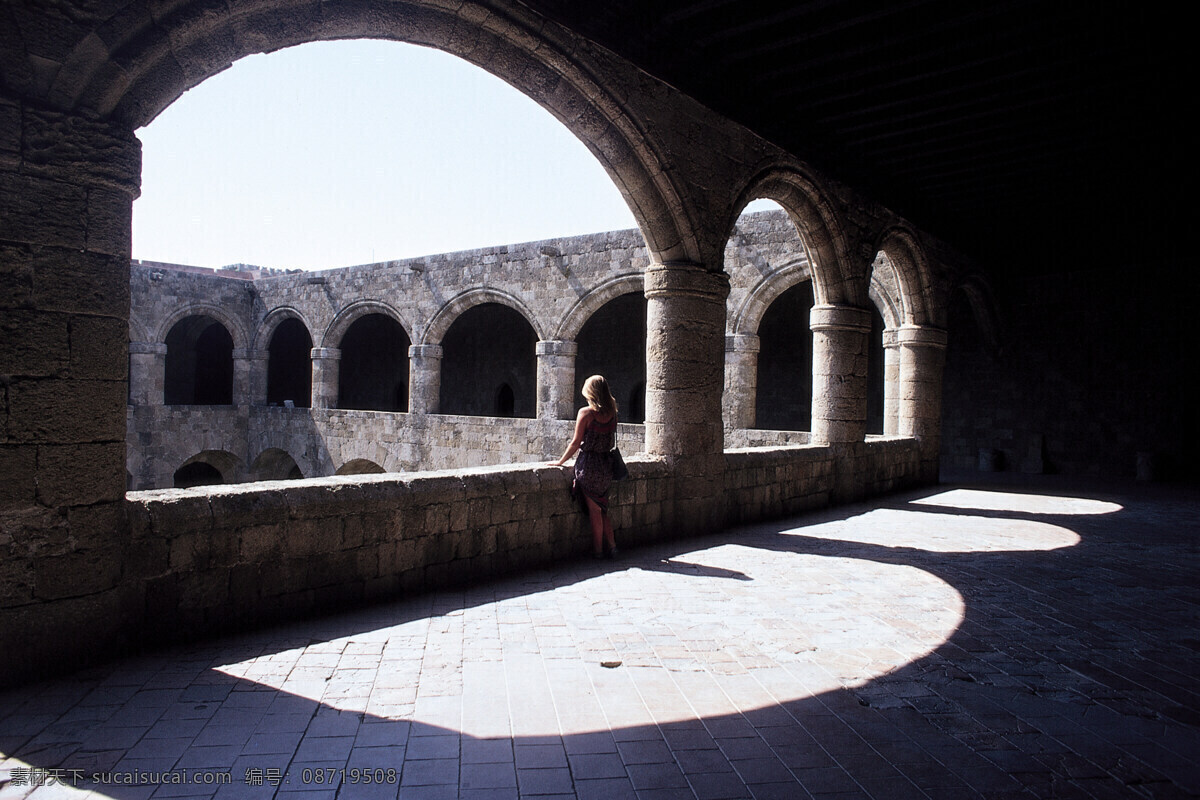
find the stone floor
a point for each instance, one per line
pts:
(1008, 640)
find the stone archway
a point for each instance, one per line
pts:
(145, 61)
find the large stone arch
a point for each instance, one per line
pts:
(453, 308)
(910, 267)
(746, 318)
(199, 309)
(132, 66)
(332, 336)
(275, 317)
(836, 279)
(288, 369)
(593, 301)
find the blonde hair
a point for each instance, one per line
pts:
(599, 397)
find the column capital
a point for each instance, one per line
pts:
(420, 351)
(921, 336)
(556, 347)
(839, 318)
(684, 278)
(330, 353)
(891, 338)
(148, 348)
(742, 343)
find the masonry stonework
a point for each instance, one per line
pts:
(82, 575)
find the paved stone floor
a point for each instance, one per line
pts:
(1008, 640)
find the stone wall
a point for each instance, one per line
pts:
(220, 557)
(1013, 402)
(323, 440)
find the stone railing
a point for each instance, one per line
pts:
(213, 558)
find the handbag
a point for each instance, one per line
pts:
(620, 471)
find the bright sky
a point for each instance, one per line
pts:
(340, 153)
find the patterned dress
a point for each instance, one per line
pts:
(594, 464)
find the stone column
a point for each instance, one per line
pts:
(840, 345)
(147, 373)
(556, 379)
(325, 362)
(685, 365)
(258, 361)
(424, 378)
(891, 382)
(67, 184)
(243, 369)
(922, 358)
(741, 380)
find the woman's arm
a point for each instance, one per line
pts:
(581, 422)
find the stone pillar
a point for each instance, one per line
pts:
(147, 373)
(258, 361)
(325, 362)
(556, 379)
(424, 378)
(922, 358)
(840, 345)
(243, 369)
(67, 185)
(685, 365)
(891, 382)
(741, 380)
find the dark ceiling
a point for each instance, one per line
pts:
(1030, 130)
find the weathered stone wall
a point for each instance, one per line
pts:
(1080, 377)
(215, 558)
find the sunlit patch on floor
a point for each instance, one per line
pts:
(726, 629)
(939, 533)
(980, 500)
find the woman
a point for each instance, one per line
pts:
(595, 430)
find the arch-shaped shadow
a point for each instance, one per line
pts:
(1060, 671)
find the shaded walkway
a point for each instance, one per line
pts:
(1022, 640)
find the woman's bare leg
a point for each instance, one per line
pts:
(609, 536)
(598, 519)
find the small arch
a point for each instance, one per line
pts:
(360, 466)
(271, 322)
(355, 311)
(198, 473)
(275, 464)
(835, 279)
(783, 398)
(885, 292)
(505, 401)
(454, 308)
(587, 306)
(207, 468)
(905, 258)
(489, 345)
(978, 297)
(289, 364)
(748, 318)
(198, 368)
(373, 370)
(233, 325)
(612, 343)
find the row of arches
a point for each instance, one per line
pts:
(215, 467)
(488, 362)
